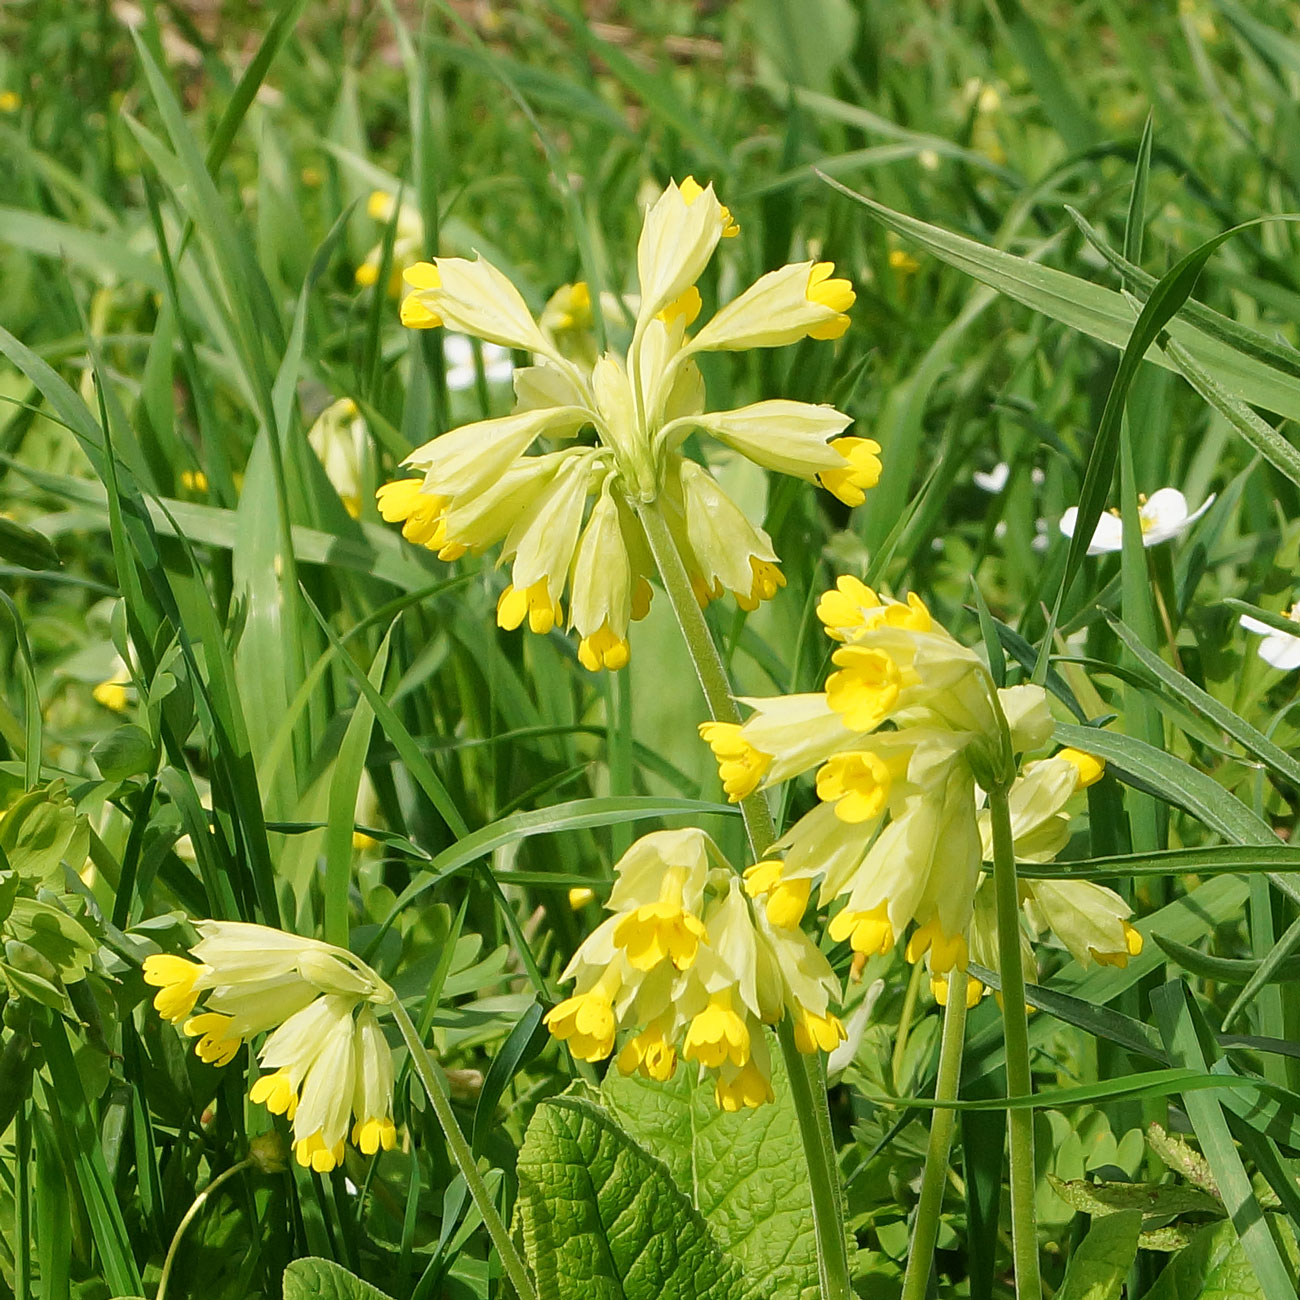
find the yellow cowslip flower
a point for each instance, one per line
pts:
(408, 241)
(341, 442)
(327, 1060)
(614, 425)
(10, 101)
(897, 834)
(696, 971)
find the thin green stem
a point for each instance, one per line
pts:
(925, 1231)
(807, 1085)
(435, 1085)
(1015, 1031)
(190, 1215)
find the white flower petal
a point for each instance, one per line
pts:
(1281, 650)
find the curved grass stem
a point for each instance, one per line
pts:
(807, 1085)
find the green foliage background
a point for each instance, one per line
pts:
(183, 208)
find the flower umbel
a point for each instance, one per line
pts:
(696, 970)
(592, 437)
(327, 1060)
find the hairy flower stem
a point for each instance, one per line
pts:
(807, 1085)
(1015, 1030)
(925, 1231)
(435, 1085)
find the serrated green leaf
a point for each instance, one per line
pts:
(601, 1217)
(322, 1279)
(1099, 1265)
(745, 1172)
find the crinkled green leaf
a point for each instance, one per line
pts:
(745, 1172)
(322, 1279)
(603, 1220)
(1099, 1265)
(1148, 1198)
(1212, 1267)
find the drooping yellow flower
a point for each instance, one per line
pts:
(408, 241)
(327, 1061)
(615, 424)
(907, 727)
(695, 971)
(339, 438)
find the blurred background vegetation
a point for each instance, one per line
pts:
(191, 610)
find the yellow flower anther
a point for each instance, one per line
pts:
(1090, 768)
(650, 1053)
(586, 1022)
(684, 308)
(837, 295)
(216, 1045)
(1132, 945)
(861, 471)
(717, 1034)
(740, 765)
(847, 606)
(533, 603)
(946, 951)
(423, 515)
(312, 1153)
(748, 1087)
(869, 933)
(690, 190)
(423, 277)
(857, 782)
(768, 580)
(939, 988)
(174, 979)
(374, 1135)
(602, 649)
(659, 931)
(787, 900)
(276, 1092)
(865, 689)
(814, 1033)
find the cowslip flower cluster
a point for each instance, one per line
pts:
(907, 732)
(326, 1060)
(696, 970)
(608, 432)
